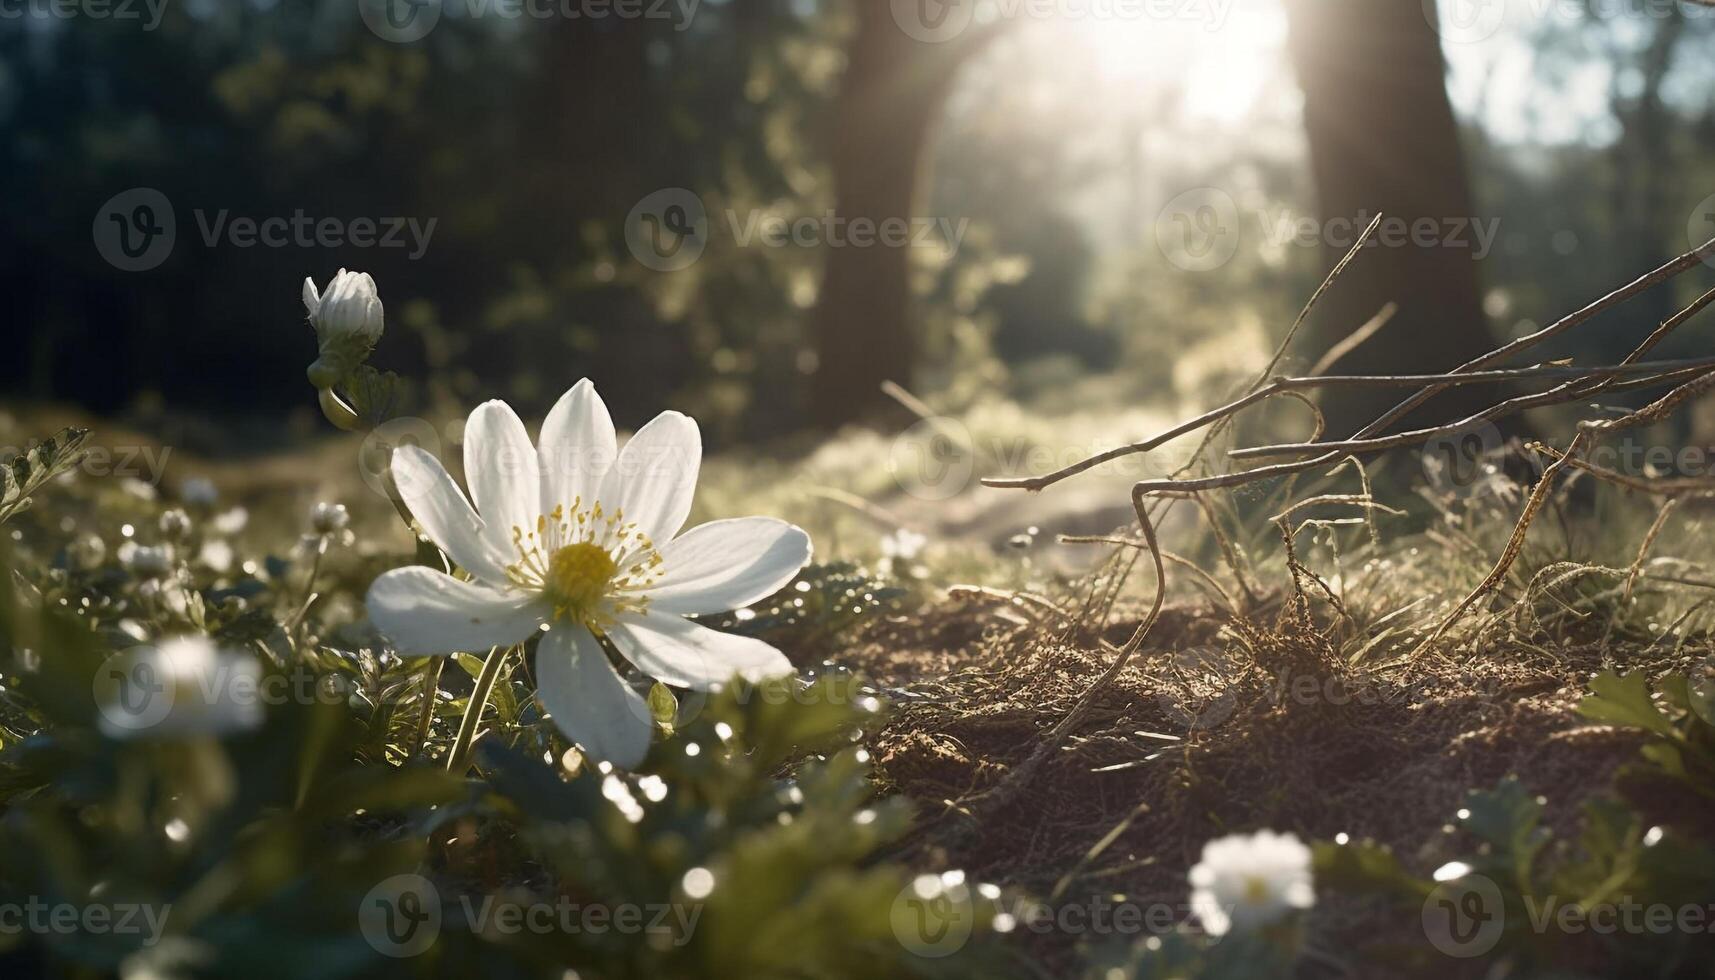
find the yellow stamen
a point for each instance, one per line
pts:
(577, 580)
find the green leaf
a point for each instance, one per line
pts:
(25, 474)
(1625, 701)
(373, 395)
(1507, 818)
(663, 706)
(1365, 867)
(1700, 693)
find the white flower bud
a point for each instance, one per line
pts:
(348, 320)
(198, 491)
(146, 561)
(175, 524)
(328, 518)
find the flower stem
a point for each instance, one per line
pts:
(337, 411)
(458, 758)
(431, 697)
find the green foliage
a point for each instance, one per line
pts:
(24, 475)
(750, 843)
(1542, 897)
(1680, 718)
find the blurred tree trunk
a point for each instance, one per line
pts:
(1642, 153)
(890, 97)
(1383, 138)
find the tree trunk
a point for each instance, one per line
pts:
(1644, 152)
(1383, 139)
(863, 323)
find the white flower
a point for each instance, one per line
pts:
(148, 561)
(1247, 881)
(351, 307)
(582, 540)
(348, 320)
(175, 524)
(326, 518)
(199, 491)
(904, 544)
(183, 686)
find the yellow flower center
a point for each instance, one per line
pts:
(578, 578)
(573, 559)
(1256, 890)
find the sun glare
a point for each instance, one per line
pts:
(1221, 62)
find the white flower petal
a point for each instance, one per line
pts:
(500, 466)
(726, 565)
(438, 504)
(577, 448)
(429, 613)
(587, 699)
(312, 296)
(655, 476)
(679, 652)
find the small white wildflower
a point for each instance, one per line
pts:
(232, 521)
(326, 518)
(904, 544)
(1245, 881)
(348, 319)
(175, 524)
(148, 561)
(217, 555)
(198, 491)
